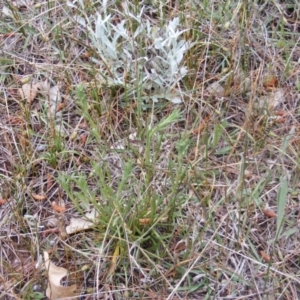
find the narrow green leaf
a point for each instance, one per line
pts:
(281, 203)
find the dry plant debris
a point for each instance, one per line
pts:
(55, 274)
(152, 147)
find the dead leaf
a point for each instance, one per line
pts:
(53, 98)
(83, 138)
(276, 98)
(114, 261)
(203, 124)
(46, 232)
(246, 85)
(73, 136)
(265, 256)
(39, 197)
(180, 246)
(270, 82)
(271, 100)
(55, 290)
(7, 12)
(15, 120)
(280, 113)
(24, 140)
(176, 100)
(280, 120)
(81, 224)
(269, 213)
(86, 54)
(144, 221)
(58, 208)
(3, 201)
(215, 89)
(61, 106)
(49, 181)
(29, 91)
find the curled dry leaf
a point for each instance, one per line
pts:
(180, 246)
(269, 213)
(39, 197)
(49, 181)
(83, 138)
(86, 54)
(55, 290)
(270, 82)
(265, 256)
(46, 232)
(58, 208)
(144, 221)
(15, 120)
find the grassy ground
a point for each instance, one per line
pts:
(170, 128)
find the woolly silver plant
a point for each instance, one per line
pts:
(149, 58)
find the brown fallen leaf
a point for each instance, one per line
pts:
(270, 82)
(3, 201)
(58, 208)
(46, 232)
(83, 138)
(15, 120)
(39, 197)
(23, 140)
(86, 54)
(49, 181)
(265, 256)
(144, 221)
(61, 106)
(280, 113)
(269, 213)
(202, 125)
(280, 120)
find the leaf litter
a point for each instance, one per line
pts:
(55, 274)
(224, 120)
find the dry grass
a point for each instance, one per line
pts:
(196, 200)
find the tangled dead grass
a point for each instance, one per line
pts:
(195, 200)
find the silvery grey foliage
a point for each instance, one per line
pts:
(149, 58)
